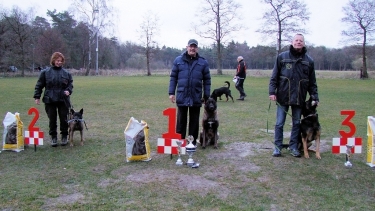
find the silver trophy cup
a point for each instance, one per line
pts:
(190, 149)
(348, 164)
(179, 161)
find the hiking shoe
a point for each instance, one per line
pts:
(64, 140)
(295, 153)
(276, 153)
(54, 142)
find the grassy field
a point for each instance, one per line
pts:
(240, 175)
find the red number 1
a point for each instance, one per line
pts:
(347, 122)
(171, 113)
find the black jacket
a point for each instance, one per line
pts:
(292, 77)
(241, 69)
(55, 80)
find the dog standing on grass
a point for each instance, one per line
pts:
(76, 123)
(222, 91)
(310, 128)
(210, 124)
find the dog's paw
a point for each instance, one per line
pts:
(318, 156)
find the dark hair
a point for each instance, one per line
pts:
(55, 56)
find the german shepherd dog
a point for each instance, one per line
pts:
(222, 91)
(310, 127)
(210, 124)
(76, 123)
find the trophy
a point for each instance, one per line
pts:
(179, 161)
(190, 149)
(348, 154)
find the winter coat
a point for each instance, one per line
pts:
(190, 75)
(55, 80)
(241, 69)
(292, 77)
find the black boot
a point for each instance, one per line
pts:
(64, 140)
(54, 141)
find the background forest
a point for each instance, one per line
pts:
(26, 43)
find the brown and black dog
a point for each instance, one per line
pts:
(217, 93)
(76, 123)
(210, 124)
(310, 127)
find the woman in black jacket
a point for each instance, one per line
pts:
(58, 84)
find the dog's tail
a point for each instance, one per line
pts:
(227, 82)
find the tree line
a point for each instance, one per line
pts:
(27, 41)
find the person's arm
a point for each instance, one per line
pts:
(173, 82)
(274, 80)
(313, 87)
(40, 84)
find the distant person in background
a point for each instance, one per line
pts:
(58, 84)
(292, 77)
(190, 74)
(241, 76)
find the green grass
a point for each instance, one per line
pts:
(240, 175)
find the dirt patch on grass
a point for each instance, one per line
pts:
(51, 203)
(215, 175)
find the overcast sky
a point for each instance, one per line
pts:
(176, 17)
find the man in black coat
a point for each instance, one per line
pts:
(292, 77)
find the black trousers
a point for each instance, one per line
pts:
(52, 109)
(239, 87)
(182, 117)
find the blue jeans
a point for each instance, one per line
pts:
(295, 136)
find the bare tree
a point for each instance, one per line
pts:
(283, 20)
(360, 16)
(18, 25)
(149, 29)
(217, 22)
(97, 14)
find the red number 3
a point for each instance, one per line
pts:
(347, 122)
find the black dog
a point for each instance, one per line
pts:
(222, 91)
(75, 124)
(210, 124)
(310, 127)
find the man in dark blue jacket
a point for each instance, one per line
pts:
(292, 77)
(190, 74)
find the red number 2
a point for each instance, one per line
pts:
(347, 122)
(36, 117)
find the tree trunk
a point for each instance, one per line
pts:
(89, 63)
(364, 62)
(219, 60)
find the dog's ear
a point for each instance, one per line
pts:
(81, 111)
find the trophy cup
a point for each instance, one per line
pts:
(190, 149)
(179, 161)
(348, 154)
